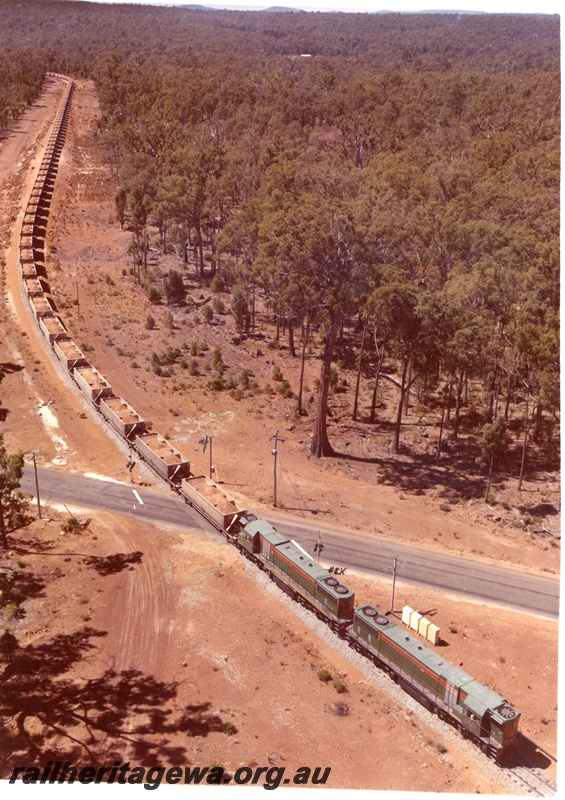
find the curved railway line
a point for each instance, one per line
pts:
(164, 459)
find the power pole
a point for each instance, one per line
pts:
(32, 456)
(318, 547)
(396, 563)
(274, 451)
(204, 445)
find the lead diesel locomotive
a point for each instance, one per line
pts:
(480, 713)
(477, 711)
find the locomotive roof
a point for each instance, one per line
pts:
(266, 530)
(299, 558)
(479, 698)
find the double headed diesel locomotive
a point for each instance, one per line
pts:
(479, 712)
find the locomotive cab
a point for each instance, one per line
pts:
(504, 727)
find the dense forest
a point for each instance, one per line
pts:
(396, 174)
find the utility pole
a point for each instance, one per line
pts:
(204, 443)
(396, 563)
(32, 457)
(274, 451)
(318, 547)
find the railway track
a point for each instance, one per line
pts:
(534, 781)
(32, 258)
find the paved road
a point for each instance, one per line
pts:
(471, 578)
(63, 487)
(422, 567)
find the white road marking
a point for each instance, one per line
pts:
(138, 497)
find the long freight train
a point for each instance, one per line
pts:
(480, 713)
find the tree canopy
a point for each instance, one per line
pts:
(401, 169)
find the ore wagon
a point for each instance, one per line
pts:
(26, 255)
(122, 416)
(211, 500)
(28, 270)
(91, 382)
(163, 457)
(41, 307)
(69, 354)
(33, 287)
(52, 328)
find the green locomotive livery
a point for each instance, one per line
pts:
(294, 570)
(479, 712)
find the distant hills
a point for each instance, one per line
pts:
(287, 10)
(272, 9)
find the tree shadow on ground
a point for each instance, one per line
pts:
(417, 473)
(110, 565)
(17, 586)
(540, 510)
(51, 714)
(458, 474)
(33, 546)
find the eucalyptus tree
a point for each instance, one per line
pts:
(13, 502)
(183, 194)
(311, 241)
(494, 443)
(413, 321)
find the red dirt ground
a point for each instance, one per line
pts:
(182, 638)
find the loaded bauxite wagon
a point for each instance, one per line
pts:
(91, 382)
(163, 457)
(69, 354)
(211, 500)
(33, 287)
(28, 271)
(52, 328)
(26, 255)
(122, 417)
(41, 307)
